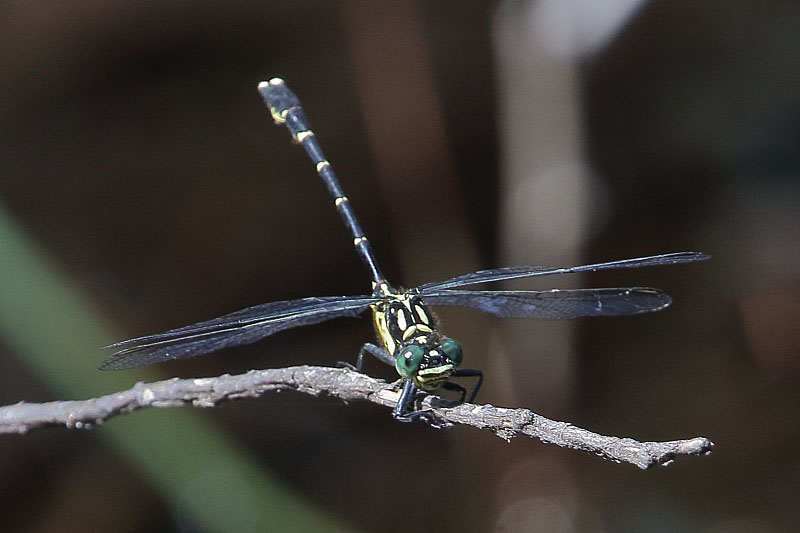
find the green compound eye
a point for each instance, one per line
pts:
(408, 361)
(453, 351)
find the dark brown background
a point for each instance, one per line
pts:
(135, 150)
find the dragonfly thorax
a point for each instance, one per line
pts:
(408, 332)
(401, 319)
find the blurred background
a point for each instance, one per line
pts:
(143, 186)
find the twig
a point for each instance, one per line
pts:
(345, 385)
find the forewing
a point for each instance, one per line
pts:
(242, 327)
(499, 274)
(257, 313)
(556, 303)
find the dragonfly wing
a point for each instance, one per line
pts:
(258, 313)
(242, 327)
(499, 274)
(556, 303)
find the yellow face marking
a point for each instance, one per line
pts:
(431, 377)
(435, 371)
(359, 240)
(341, 199)
(303, 135)
(321, 165)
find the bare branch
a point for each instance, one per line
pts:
(345, 385)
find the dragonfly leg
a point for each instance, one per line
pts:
(405, 401)
(371, 349)
(377, 352)
(449, 385)
(467, 373)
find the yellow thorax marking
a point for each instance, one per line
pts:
(414, 329)
(379, 318)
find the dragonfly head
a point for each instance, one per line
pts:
(429, 361)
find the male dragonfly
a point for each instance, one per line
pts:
(409, 335)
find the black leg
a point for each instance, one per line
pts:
(469, 372)
(375, 351)
(406, 401)
(449, 385)
(409, 391)
(406, 398)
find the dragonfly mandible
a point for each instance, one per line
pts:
(410, 338)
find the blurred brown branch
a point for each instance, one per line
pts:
(345, 385)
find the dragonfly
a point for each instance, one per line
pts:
(410, 337)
